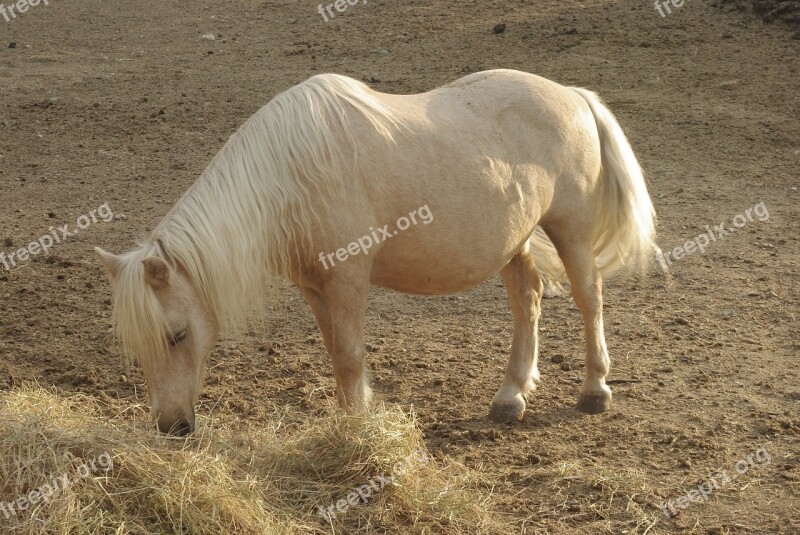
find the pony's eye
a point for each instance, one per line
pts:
(177, 338)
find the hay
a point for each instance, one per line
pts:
(125, 479)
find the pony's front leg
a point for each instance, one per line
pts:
(525, 289)
(339, 304)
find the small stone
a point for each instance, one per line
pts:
(558, 358)
(753, 293)
(51, 215)
(566, 367)
(534, 459)
(499, 28)
(119, 217)
(551, 292)
(12, 44)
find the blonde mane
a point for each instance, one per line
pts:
(248, 217)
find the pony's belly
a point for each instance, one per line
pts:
(441, 272)
(457, 251)
(421, 284)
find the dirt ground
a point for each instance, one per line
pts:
(125, 104)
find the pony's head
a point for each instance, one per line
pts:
(164, 324)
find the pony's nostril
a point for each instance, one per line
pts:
(181, 428)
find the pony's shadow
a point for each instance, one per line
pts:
(479, 428)
(549, 417)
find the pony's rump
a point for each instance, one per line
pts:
(625, 229)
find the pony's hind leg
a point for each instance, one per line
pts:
(525, 289)
(587, 291)
(340, 308)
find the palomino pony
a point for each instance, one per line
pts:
(490, 156)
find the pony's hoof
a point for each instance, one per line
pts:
(595, 402)
(506, 412)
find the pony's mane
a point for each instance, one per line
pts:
(248, 217)
(138, 317)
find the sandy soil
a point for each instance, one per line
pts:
(125, 104)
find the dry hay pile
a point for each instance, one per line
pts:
(122, 478)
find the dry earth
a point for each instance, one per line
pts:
(126, 103)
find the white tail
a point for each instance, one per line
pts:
(624, 234)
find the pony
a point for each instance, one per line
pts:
(518, 175)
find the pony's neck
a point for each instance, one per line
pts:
(249, 216)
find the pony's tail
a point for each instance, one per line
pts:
(625, 229)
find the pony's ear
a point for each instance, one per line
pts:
(111, 262)
(156, 272)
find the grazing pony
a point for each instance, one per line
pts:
(517, 174)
